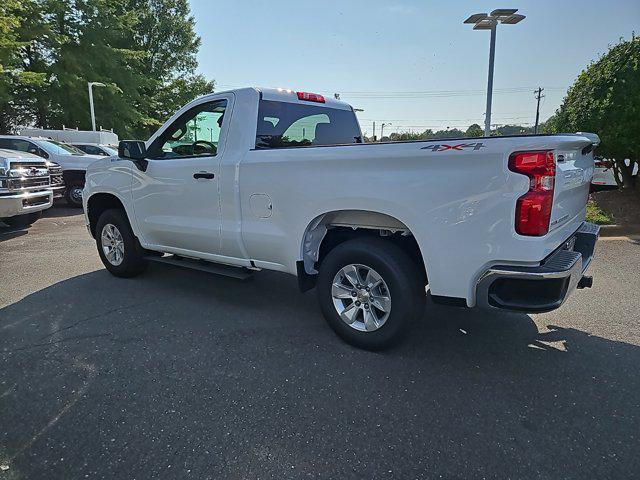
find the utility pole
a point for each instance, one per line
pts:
(374, 131)
(538, 95)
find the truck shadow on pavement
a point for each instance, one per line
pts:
(57, 211)
(147, 369)
(7, 232)
(62, 210)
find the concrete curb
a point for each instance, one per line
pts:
(619, 230)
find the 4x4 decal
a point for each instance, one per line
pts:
(443, 147)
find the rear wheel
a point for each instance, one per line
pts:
(370, 292)
(118, 247)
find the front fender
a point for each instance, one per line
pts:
(114, 177)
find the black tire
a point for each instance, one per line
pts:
(133, 262)
(23, 220)
(403, 279)
(71, 195)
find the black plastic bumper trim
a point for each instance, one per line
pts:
(544, 287)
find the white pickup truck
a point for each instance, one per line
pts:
(25, 187)
(70, 160)
(274, 179)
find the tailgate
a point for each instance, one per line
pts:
(574, 170)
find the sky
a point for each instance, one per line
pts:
(411, 64)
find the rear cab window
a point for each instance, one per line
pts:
(286, 125)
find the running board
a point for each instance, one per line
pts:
(239, 273)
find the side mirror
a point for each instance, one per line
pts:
(134, 150)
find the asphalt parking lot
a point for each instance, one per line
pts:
(180, 374)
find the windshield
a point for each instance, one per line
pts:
(58, 148)
(110, 150)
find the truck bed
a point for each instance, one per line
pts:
(457, 197)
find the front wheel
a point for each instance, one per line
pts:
(73, 195)
(118, 247)
(370, 292)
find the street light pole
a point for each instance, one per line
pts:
(483, 21)
(492, 56)
(382, 129)
(93, 113)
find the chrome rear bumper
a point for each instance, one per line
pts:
(544, 287)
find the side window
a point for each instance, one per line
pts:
(93, 150)
(22, 145)
(5, 143)
(33, 148)
(195, 133)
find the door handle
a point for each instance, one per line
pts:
(206, 175)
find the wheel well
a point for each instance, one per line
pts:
(405, 240)
(97, 204)
(331, 229)
(73, 177)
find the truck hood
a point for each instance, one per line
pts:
(17, 156)
(76, 162)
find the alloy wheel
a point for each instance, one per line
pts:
(361, 297)
(112, 244)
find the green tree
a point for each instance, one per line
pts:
(511, 130)
(474, 130)
(93, 45)
(143, 50)
(164, 31)
(404, 136)
(174, 94)
(449, 133)
(17, 80)
(605, 99)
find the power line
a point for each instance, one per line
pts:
(380, 94)
(471, 119)
(440, 126)
(410, 95)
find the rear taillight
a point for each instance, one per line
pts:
(533, 209)
(310, 97)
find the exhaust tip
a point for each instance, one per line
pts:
(585, 282)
